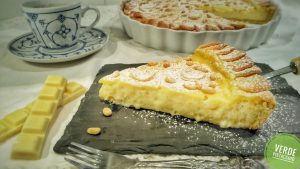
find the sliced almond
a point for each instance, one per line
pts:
(192, 75)
(142, 75)
(208, 89)
(152, 63)
(216, 47)
(225, 51)
(201, 68)
(233, 56)
(194, 14)
(166, 64)
(241, 64)
(170, 80)
(248, 72)
(116, 74)
(190, 86)
(212, 84)
(209, 44)
(189, 63)
(213, 76)
(187, 59)
(253, 84)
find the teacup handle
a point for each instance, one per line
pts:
(83, 11)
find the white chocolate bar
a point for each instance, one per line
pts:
(30, 142)
(12, 123)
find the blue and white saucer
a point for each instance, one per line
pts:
(27, 47)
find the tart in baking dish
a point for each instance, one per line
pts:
(199, 15)
(217, 84)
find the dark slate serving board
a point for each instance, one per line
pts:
(131, 131)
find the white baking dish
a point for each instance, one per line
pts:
(187, 41)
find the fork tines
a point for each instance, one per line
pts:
(84, 157)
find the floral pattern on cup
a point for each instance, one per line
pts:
(60, 32)
(57, 28)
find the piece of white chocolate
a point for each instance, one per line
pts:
(12, 123)
(73, 91)
(30, 142)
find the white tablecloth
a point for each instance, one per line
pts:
(21, 81)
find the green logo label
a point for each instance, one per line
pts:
(283, 152)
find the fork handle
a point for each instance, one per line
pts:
(166, 164)
(196, 164)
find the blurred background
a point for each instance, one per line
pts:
(11, 8)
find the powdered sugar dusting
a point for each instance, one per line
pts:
(230, 141)
(245, 142)
(184, 75)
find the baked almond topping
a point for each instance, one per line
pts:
(213, 76)
(221, 83)
(142, 75)
(194, 15)
(116, 73)
(192, 75)
(198, 15)
(166, 64)
(248, 72)
(224, 51)
(191, 86)
(170, 80)
(232, 56)
(189, 63)
(253, 84)
(212, 84)
(241, 64)
(201, 68)
(208, 89)
(216, 47)
(201, 15)
(209, 45)
(187, 59)
(152, 63)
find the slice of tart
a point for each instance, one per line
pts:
(217, 84)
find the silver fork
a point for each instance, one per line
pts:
(84, 157)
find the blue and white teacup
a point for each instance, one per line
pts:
(56, 24)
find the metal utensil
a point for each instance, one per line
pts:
(294, 67)
(84, 157)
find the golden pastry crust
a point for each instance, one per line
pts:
(199, 15)
(177, 15)
(253, 11)
(204, 87)
(238, 68)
